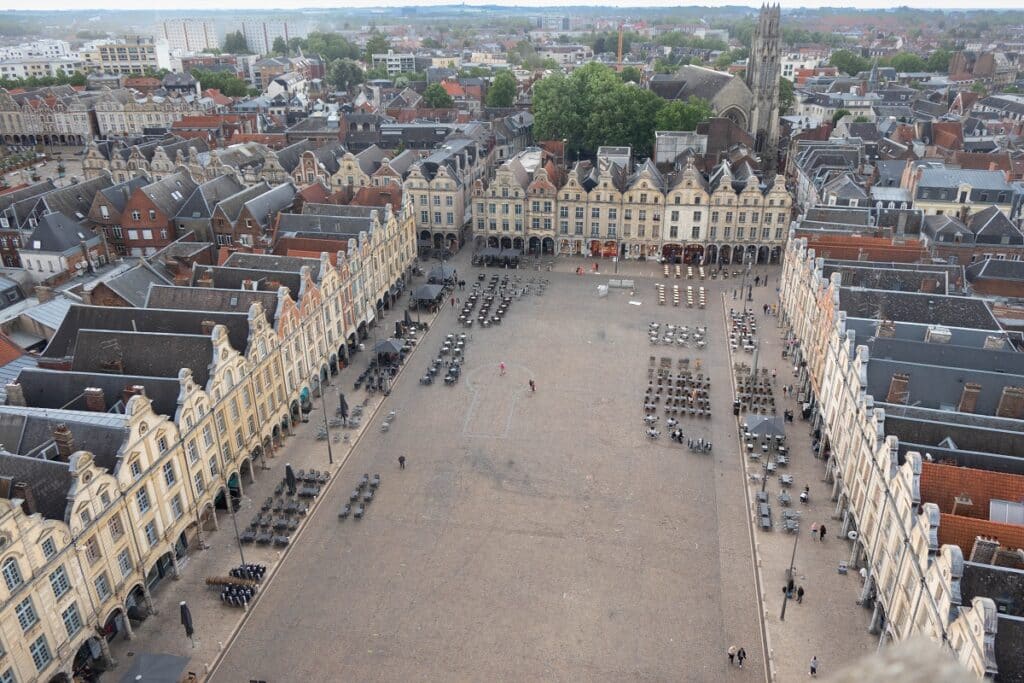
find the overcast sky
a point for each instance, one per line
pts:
(333, 4)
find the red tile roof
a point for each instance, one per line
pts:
(961, 531)
(379, 196)
(941, 484)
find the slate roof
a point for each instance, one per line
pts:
(233, 278)
(71, 200)
(56, 233)
(952, 178)
(231, 206)
(935, 309)
(23, 193)
(50, 480)
(289, 156)
(690, 81)
(44, 388)
(211, 299)
(171, 192)
(996, 269)
(991, 225)
(143, 353)
(369, 159)
(205, 197)
(133, 285)
(117, 195)
(65, 343)
(265, 206)
(271, 262)
(891, 279)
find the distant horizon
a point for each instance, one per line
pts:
(301, 5)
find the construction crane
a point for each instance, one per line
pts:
(619, 64)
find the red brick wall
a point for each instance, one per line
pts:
(961, 531)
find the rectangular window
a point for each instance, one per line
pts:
(437, 217)
(26, 613)
(102, 587)
(728, 216)
(41, 656)
(239, 439)
(124, 562)
(595, 212)
(169, 476)
(695, 232)
(563, 212)
(213, 459)
(8, 677)
(739, 233)
(743, 216)
(726, 232)
(193, 451)
(207, 436)
(563, 227)
(151, 536)
(176, 511)
(696, 215)
(200, 482)
(595, 229)
(142, 500)
(673, 232)
(72, 620)
(252, 426)
(754, 216)
(59, 582)
(221, 425)
(49, 548)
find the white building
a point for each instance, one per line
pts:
(795, 61)
(39, 67)
(43, 48)
(136, 55)
(189, 35)
(260, 35)
(395, 62)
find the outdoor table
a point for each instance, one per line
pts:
(792, 526)
(770, 466)
(782, 460)
(764, 510)
(785, 498)
(791, 514)
(766, 522)
(354, 496)
(764, 448)
(762, 497)
(783, 451)
(786, 479)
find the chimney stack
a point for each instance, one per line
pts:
(247, 285)
(205, 280)
(898, 386)
(65, 441)
(44, 293)
(23, 491)
(969, 397)
(207, 327)
(95, 401)
(1011, 403)
(15, 395)
(887, 328)
(132, 390)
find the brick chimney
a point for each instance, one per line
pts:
(95, 401)
(65, 441)
(247, 285)
(15, 396)
(929, 285)
(887, 328)
(1011, 403)
(984, 550)
(44, 294)
(272, 286)
(969, 398)
(132, 390)
(205, 280)
(23, 491)
(898, 388)
(207, 327)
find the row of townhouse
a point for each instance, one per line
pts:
(610, 209)
(890, 379)
(140, 426)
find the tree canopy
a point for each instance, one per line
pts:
(61, 78)
(235, 43)
(377, 43)
(220, 80)
(786, 97)
(682, 115)
(330, 46)
(343, 74)
(502, 92)
(280, 46)
(630, 73)
(593, 107)
(435, 97)
(848, 62)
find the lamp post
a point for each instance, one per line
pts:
(323, 402)
(234, 520)
(792, 559)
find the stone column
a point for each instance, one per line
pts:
(875, 626)
(105, 656)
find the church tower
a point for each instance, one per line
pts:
(763, 71)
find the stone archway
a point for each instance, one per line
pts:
(725, 255)
(775, 255)
(438, 241)
(548, 246)
(736, 115)
(711, 255)
(762, 255)
(672, 252)
(534, 245)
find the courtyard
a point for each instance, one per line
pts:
(532, 536)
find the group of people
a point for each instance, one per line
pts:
(738, 654)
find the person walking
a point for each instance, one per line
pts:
(501, 368)
(814, 666)
(800, 594)
(741, 654)
(732, 654)
(401, 462)
(821, 532)
(814, 529)
(533, 386)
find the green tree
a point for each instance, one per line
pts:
(435, 97)
(280, 47)
(980, 89)
(630, 74)
(502, 92)
(430, 43)
(848, 62)
(786, 97)
(861, 119)
(907, 62)
(235, 43)
(682, 115)
(377, 43)
(663, 66)
(220, 80)
(331, 46)
(1012, 90)
(838, 115)
(377, 73)
(344, 74)
(939, 61)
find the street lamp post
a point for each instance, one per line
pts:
(234, 520)
(323, 402)
(792, 559)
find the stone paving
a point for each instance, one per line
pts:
(533, 536)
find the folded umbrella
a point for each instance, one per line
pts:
(289, 478)
(186, 619)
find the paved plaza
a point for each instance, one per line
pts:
(532, 536)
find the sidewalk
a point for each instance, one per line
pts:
(828, 624)
(216, 623)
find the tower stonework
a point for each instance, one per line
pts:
(763, 71)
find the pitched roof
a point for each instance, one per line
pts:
(118, 195)
(170, 193)
(210, 299)
(231, 206)
(133, 285)
(143, 353)
(56, 233)
(204, 198)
